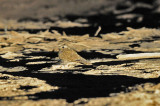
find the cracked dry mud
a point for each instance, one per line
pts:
(37, 61)
(31, 73)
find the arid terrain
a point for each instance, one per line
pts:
(79, 52)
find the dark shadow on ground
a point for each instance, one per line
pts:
(75, 86)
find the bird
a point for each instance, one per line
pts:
(67, 54)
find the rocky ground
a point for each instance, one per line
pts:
(103, 32)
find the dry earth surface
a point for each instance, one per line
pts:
(103, 32)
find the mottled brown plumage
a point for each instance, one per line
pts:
(67, 54)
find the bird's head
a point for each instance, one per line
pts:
(62, 47)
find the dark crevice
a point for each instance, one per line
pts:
(131, 51)
(134, 45)
(93, 55)
(26, 88)
(115, 62)
(32, 31)
(76, 30)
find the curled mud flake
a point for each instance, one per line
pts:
(13, 69)
(11, 55)
(128, 16)
(142, 32)
(11, 49)
(98, 30)
(67, 24)
(17, 69)
(138, 56)
(15, 38)
(35, 63)
(112, 36)
(67, 66)
(34, 40)
(2, 45)
(35, 57)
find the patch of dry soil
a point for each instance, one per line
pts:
(31, 72)
(15, 90)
